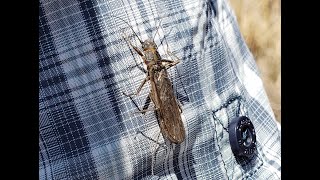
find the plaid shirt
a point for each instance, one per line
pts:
(88, 128)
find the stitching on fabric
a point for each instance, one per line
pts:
(251, 173)
(224, 105)
(216, 136)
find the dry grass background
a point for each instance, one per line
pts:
(260, 24)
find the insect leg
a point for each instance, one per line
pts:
(140, 87)
(145, 107)
(167, 60)
(134, 47)
(160, 144)
(170, 62)
(145, 110)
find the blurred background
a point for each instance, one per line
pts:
(260, 24)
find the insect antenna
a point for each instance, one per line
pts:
(157, 31)
(129, 26)
(164, 38)
(161, 42)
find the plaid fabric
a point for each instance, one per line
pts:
(88, 128)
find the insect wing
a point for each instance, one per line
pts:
(170, 116)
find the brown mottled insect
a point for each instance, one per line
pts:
(161, 92)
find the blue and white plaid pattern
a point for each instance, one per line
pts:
(88, 128)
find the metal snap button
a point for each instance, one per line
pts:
(242, 136)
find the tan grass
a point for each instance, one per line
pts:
(260, 24)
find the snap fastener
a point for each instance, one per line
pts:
(242, 136)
